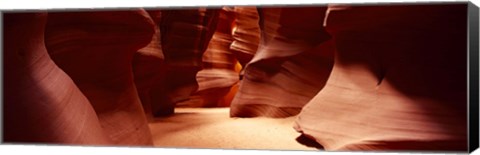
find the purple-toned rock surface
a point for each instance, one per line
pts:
(41, 102)
(96, 50)
(185, 34)
(398, 82)
(149, 70)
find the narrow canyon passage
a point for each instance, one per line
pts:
(326, 77)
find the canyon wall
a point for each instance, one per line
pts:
(355, 77)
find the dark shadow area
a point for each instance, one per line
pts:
(178, 114)
(304, 140)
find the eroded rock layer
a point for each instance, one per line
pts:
(185, 34)
(218, 74)
(149, 70)
(246, 33)
(287, 70)
(359, 77)
(41, 102)
(96, 50)
(396, 84)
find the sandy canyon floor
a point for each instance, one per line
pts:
(213, 128)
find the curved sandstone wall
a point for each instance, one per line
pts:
(96, 50)
(42, 104)
(286, 70)
(396, 84)
(350, 77)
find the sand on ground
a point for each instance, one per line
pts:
(213, 128)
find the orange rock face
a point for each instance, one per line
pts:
(218, 74)
(246, 34)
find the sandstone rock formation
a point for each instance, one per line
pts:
(398, 82)
(351, 77)
(218, 74)
(246, 33)
(287, 70)
(42, 104)
(185, 34)
(232, 46)
(96, 50)
(149, 70)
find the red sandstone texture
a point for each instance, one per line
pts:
(218, 74)
(42, 104)
(149, 70)
(185, 34)
(246, 34)
(96, 50)
(350, 77)
(395, 84)
(287, 70)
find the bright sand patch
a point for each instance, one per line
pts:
(213, 128)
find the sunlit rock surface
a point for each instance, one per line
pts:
(287, 70)
(246, 33)
(218, 74)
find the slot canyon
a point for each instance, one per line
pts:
(327, 77)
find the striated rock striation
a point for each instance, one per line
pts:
(96, 50)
